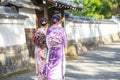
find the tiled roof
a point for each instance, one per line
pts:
(82, 19)
(5, 9)
(22, 3)
(68, 3)
(7, 12)
(12, 15)
(117, 18)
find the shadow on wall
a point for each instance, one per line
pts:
(85, 36)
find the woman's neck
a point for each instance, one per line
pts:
(43, 26)
(55, 25)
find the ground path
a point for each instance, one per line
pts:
(102, 63)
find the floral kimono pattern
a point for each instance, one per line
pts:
(55, 69)
(40, 58)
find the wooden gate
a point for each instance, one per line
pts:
(28, 33)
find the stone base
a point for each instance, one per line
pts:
(14, 58)
(82, 46)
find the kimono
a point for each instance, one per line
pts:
(55, 69)
(40, 57)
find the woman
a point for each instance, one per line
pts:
(56, 40)
(41, 48)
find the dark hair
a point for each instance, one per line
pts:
(55, 18)
(43, 21)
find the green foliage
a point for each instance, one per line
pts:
(97, 8)
(77, 1)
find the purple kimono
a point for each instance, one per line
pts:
(56, 40)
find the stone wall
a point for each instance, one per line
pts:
(13, 58)
(85, 35)
(16, 46)
(80, 47)
(19, 56)
(14, 53)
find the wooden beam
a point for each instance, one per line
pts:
(37, 18)
(63, 17)
(45, 11)
(56, 4)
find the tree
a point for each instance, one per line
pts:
(116, 7)
(98, 8)
(92, 8)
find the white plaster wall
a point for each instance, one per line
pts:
(77, 31)
(31, 20)
(11, 32)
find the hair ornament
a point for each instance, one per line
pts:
(43, 22)
(55, 20)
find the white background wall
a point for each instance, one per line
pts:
(31, 21)
(11, 32)
(77, 31)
